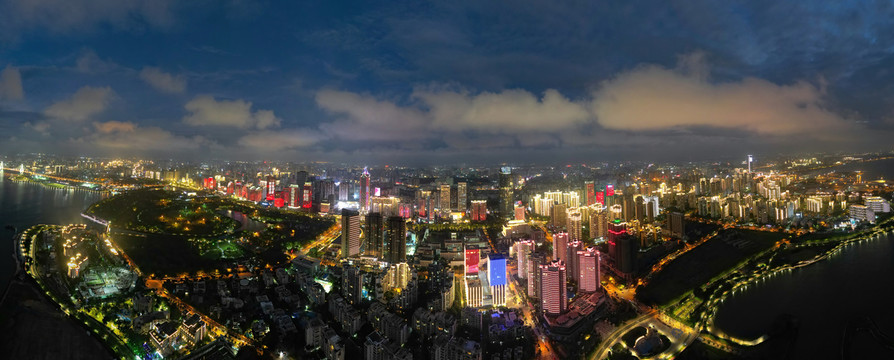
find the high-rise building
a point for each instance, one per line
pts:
(479, 210)
(496, 277)
(627, 248)
(598, 223)
(600, 198)
(553, 293)
(676, 224)
(462, 197)
(350, 233)
(375, 235)
(574, 225)
(270, 192)
(572, 264)
(590, 191)
(750, 160)
(523, 250)
(385, 205)
(519, 212)
(589, 275)
(558, 215)
(560, 246)
(397, 239)
(307, 196)
(537, 259)
(364, 190)
(616, 229)
(444, 204)
(472, 257)
(352, 284)
(506, 198)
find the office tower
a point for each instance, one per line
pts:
(472, 258)
(307, 196)
(462, 197)
(600, 198)
(479, 210)
(553, 293)
(616, 229)
(295, 195)
(676, 224)
(271, 188)
(589, 274)
(519, 212)
(444, 204)
(590, 191)
(350, 233)
(627, 247)
(352, 284)
(364, 190)
(750, 160)
(523, 251)
(599, 223)
(506, 198)
(572, 263)
(560, 246)
(574, 225)
(615, 213)
(558, 215)
(375, 235)
(537, 259)
(397, 239)
(496, 277)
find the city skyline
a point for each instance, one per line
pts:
(443, 83)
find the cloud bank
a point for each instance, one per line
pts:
(163, 81)
(86, 102)
(205, 110)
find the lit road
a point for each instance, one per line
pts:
(606, 345)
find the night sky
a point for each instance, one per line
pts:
(445, 82)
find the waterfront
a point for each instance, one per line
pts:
(23, 204)
(823, 298)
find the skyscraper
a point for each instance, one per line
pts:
(676, 224)
(375, 235)
(479, 210)
(496, 277)
(444, 204)
(750, 160)
(364, 190)
(506, 199)
(572, 264)
(627, 248)
(397, 239)
(589, 274)
(350, 233)
(616, 229)
(574, 225)
(598, 223)
(534, 274)
(590, 191)
(519, 212)
(560, 246)
(523, 250)
(471, 257)
(462, 197)
(553, 295)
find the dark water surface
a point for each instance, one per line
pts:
(823, 297)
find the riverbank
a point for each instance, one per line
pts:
(740, 282)
(51, 185)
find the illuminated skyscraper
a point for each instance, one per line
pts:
(523, 251)
(307, 196)
(573, 264)
(574, 225)
(496, 277)
(375, 235)
(397, 239)
(598, 223)
(462, 197)
(750, 160)
(553, 295)
(560, 246)
(364, 190)
(479, 210)
(616, 229)
(519, 212)
(506, 199)
(270, 192)
(350, 233)
(444, 204)
(590, 191)
(589, 277)
(472, 257)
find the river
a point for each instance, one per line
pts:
(823, 297)
(24, 204)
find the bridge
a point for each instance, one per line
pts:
(21, 170)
